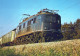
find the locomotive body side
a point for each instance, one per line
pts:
(30, 26)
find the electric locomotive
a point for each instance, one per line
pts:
(46, 22)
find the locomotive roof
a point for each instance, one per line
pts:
(44, 11)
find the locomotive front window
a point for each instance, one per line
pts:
(53, 19)
(50, 18)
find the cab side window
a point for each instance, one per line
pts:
(23, 25)
(34, 21)
(29, 23)
(20, 27)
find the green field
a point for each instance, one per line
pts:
(58, 48)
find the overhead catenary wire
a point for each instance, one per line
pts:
(70, 6)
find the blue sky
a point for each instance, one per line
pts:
(11, 11)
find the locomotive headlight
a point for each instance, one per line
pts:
(50, 23)
(45, 28)
(59, 29)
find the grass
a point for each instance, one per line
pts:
(59, 48)
(8, 52)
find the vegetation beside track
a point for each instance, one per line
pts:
(58, 48)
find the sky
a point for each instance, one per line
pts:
(11, 11)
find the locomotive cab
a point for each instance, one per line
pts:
(51, 25)
(51, 22)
